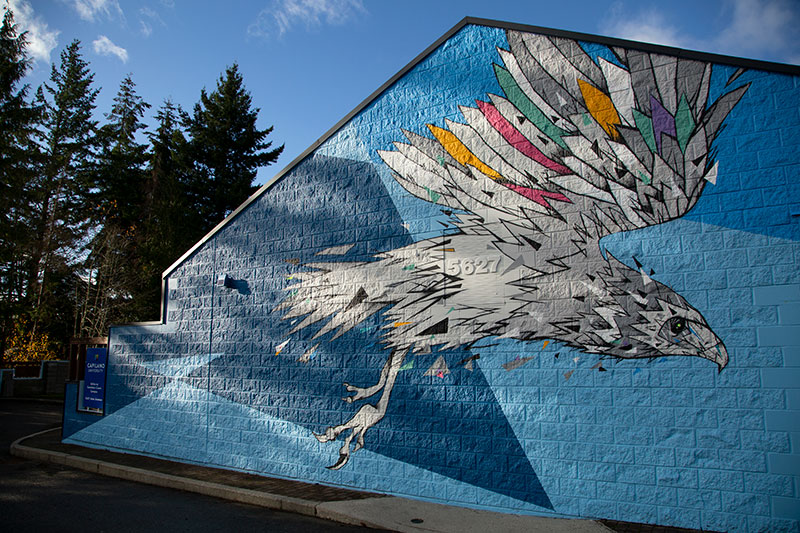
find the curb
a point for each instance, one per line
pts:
(216, 490)
(392, 513)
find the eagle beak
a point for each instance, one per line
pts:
(710, 346)
(719, 355)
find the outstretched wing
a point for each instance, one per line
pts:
(603, 146)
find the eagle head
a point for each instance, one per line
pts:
(640, 317)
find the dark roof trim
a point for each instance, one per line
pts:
(608, 41)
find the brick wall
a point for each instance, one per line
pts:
(529, 426)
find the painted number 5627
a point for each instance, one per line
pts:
(468, 267)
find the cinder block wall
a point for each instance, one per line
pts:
(529, 426)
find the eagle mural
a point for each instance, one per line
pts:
(574, 149)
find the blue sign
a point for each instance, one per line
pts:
(94, 380)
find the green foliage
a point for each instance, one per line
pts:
(17, 156)
(227, 149)
(90, 214)
(113, 269)
(59, 220)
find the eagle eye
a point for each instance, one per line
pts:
(677, 325)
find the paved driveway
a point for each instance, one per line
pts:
(38, 497)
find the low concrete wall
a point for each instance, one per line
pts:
(51, 379)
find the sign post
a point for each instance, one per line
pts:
(94, 379)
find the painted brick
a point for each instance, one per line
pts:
(776, 525)
(715, 521)
(786, 420)
(784, 463)
(740, 378)
(769, 484)
(578, 487)
(676, 477)
(692, 417)
(779, 336)
(672, 397)
(646, 455)
(633, 435)
(751, 277)
(674, 437)
(741, 418)
(776, 295)
(698, 458)
(596, 471)
(644, 514)
(771, 255)
(718, 438)
(679, 517)
(596, 508)
(793, 399)
(745, 503)
(760, 398)
(615, 454)
(783, 378)
(617, 491)
(771, 357)
(699, 499)
(767, 441)
(786, 507)
(791, 356)
(721, 480)
(785, 274)
(746, 461)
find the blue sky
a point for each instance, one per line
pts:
(307, 63)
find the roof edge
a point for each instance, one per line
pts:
(781, 68)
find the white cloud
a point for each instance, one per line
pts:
(90, 9)
(104, 46)
(648, 26)
(765, 29)
(762, 27)
(147, 17)
(145, 28)
(41, 39)
(282, 15)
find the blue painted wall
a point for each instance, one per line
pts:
(669, 441)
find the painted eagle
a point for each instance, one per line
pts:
(575, 149)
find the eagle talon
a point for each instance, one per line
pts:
(343, 458)
(329, 435)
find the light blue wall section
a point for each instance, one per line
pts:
(669, 441)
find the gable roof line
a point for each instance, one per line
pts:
(781, 68)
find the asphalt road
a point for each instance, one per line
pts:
(41, 497)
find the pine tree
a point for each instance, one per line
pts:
(169, 220)
(116, 274)
(122, 160)
(60, 212)
(17, 122)
(227, 149)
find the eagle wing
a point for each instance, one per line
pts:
(602, 145)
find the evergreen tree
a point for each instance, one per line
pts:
(121, 164)
(60, 213)
(17, 122)
(227, 149)
(116, 287)
(169, 220)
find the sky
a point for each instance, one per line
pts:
(308, 63)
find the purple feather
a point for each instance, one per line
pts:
(663, 122)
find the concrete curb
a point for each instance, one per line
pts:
(129, 473)
(393, 513)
